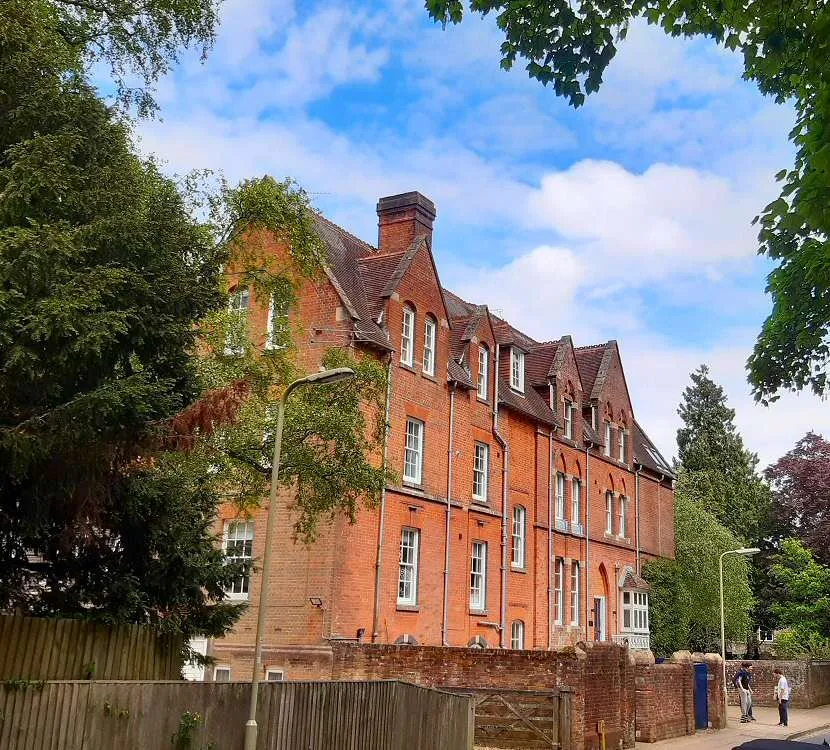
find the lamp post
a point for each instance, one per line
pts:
(746, 552)
(325, 377)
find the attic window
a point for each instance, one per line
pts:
(517, 369)
(407, 335)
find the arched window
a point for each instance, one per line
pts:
(609, 512)
(574, 593)
(519, 526)
(558, 591)
(238, 304)
(483, 371)
(517, 635)
(429, 345)
(407, 335)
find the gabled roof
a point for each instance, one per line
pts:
(589, 362)
(530, 404)
(458, 374)
(539, 363)
(342, 252)
(647, 455)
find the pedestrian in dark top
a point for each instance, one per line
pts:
(743, 682)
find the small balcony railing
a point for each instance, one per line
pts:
(634, 641)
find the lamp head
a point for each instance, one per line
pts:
(748, 551)
(326, 377)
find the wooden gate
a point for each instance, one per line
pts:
(527, 719)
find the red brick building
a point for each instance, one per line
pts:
(529, 496)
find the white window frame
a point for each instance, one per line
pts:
(483, 371)
(608, 439)
(569, 419)
(413, 460)
(274, 675)
(276, 324)
(430, 328)
(576, 500)
(519, 536)
(560, 496)
(239, 589)
(594, 415)
(575, 586)
(407, 335)
(221, 668)
(517, 369)
(622, 519)
(559, 591)
(517, 635)
(481, 472)
(240, 310)
(609, 512)
(635, 611)
(408, 566)
(478, 576)
(621, 444)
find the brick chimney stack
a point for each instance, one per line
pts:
(402, 218)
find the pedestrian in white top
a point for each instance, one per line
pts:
(782, 696)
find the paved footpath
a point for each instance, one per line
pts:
(802, 721)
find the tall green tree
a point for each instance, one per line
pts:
(137, 41)
(685, 592)
(113, 403)
(785, 48)
(719, 471)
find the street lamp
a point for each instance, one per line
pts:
(325, 377)
(746, 552)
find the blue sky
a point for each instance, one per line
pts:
(628, 218)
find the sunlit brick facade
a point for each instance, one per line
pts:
(511, 467)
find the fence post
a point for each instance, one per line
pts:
(565, 720)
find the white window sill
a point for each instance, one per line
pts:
(237, 597)
(480, 499)
(561, 524)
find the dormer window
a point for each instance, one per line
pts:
(407, 335)
(238, 309)
(621, 444)
(569, 419)
(429, 346)
(594, 422)
(517, 369)
(607, 438)
(483, 365)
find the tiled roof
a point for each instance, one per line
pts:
(588, 361)
(362, 276)
(529, 403)
(590, 435)
(376, 270)
(630, 580)
(539, 363)
(457, 373)
(343, 251)
(647, 455)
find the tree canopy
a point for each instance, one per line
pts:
(785, 48)
(125, 416)
(719, 471)
(801, 494)
(685, 592)
(137, 41)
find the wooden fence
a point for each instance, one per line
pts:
(40, 648)
(527, 719)
(77, 715)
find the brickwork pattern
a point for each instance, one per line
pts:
(809, 682)
(665, 701)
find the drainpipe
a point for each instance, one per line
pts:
(587, 539)
(505, 476)
(550, 529)
(637, 512)
(382, 509)
(450, 460)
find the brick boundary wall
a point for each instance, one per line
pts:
(665, 701)
(602, 677)
(809, 682)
